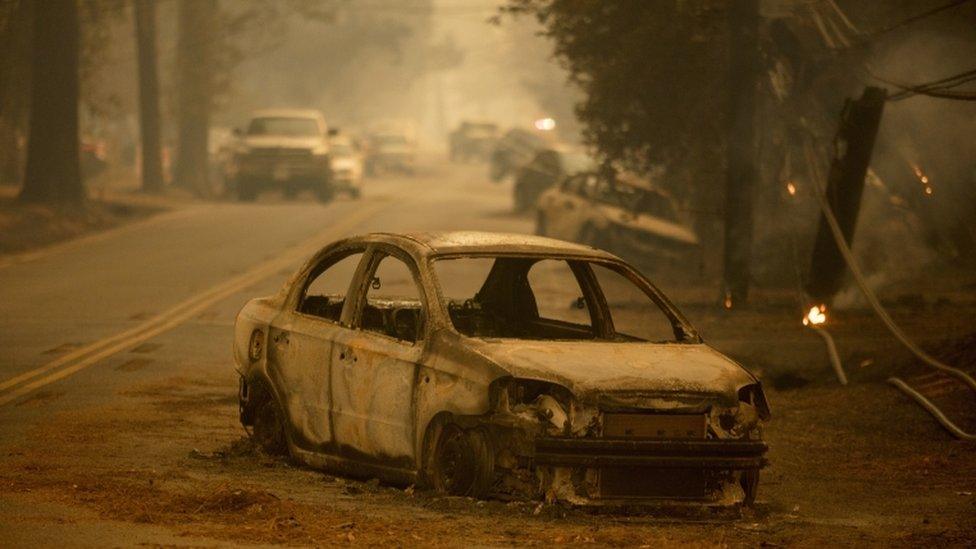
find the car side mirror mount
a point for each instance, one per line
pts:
(333, 132)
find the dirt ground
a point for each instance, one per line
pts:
(856, 465)
(25, 227)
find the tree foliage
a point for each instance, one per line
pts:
(652, 73)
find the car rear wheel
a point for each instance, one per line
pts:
(461, 463)
(268, 432)
(325, 191)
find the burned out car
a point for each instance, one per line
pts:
(487, 364)
(622, 213)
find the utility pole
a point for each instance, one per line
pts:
(144, 12)
(853, 146)
(740, 169)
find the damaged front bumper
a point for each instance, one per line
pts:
(734, 455)
(607, 471)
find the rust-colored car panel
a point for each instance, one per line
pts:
(494, 364)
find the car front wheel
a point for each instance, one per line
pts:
(461, 463)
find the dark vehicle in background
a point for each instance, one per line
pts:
(347, 166)
(548, 167)
(514, 149)
(390, 152)
(472, 141)
(284, 149)
(621, 213)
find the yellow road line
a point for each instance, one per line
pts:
(90, 354)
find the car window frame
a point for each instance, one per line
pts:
(311, 273)
(374, 255)
(590, 286)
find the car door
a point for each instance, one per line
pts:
(300, 347)
(375, 364)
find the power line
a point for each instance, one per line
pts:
(940, 88)
(865, 38)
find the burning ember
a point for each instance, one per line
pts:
(816, 315)
(923, 179)
(791, 188)
(728, 300)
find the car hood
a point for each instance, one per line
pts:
(593, 368)
(282, 141)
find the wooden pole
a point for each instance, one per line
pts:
(853, 147)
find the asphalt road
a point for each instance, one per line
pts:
(129, 292)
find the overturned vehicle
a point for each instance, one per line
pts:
(496, 365)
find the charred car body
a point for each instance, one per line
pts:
(489, 364)
(621, 213)
(285, 149)
(472, 141)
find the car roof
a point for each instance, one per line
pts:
(435, 243)
(287, 113)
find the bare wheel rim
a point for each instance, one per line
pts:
(454, 467)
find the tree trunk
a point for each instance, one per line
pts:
(197, 20)
(845, 185)
(53, 172)
(741, 169)
(144, 12)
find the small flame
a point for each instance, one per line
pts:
(791, 188)
(728, 300)
(923, 179)
(816, 315)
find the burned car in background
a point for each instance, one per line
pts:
(514, 149)
(472, 141)
(283, 149)
(486, 364)
(547, 168)
(622, 213)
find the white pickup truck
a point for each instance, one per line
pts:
(284, 149)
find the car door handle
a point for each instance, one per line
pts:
(346, 355)
(281, 338)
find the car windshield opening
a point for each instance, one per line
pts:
(293, 127)
(543, 298)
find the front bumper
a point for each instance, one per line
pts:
(734, 455)
(281, 168)
(607, 471)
